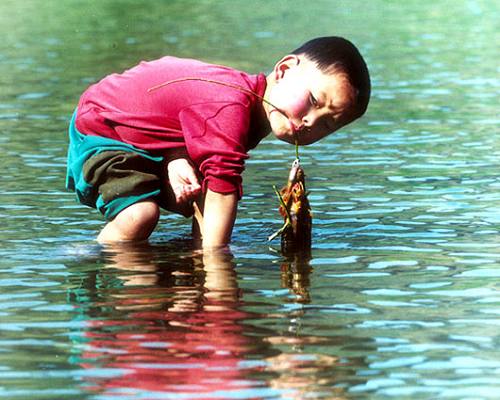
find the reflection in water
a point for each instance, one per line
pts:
(295, 271)
(309, 376)
(306, 373)
(169, 322)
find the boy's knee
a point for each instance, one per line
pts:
(140, 218)
(135, 222)
(143, 214)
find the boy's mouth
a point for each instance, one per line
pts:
(292, 127)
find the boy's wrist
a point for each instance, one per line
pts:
(176, 153)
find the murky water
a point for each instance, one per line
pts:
(400, 297)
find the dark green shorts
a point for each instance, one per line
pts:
(110, 175)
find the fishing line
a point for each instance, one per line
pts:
(234, 86)
(231, 85)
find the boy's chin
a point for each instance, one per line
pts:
(282, 132)
(280, 125)
(284, 136)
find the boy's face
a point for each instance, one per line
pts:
(316, 103)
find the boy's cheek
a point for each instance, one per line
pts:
(298, 105)
(294, 100)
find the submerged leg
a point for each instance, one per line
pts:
(134, 223)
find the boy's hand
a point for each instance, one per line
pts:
(183, 180)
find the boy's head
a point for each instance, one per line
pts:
(321, 86)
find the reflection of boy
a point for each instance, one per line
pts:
(134, 150)
(189, 318)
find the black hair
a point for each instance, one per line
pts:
(335, 54)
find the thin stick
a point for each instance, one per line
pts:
(198, 218)
(279, 231)
(231, 85)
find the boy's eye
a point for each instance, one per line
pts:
(313, 100)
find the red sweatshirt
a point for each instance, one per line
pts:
(214, 124)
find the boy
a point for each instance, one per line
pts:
(172, 131)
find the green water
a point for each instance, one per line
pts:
(400, 298)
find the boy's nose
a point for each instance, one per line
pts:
(309, 119)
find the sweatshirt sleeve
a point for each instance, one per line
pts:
(216, 136)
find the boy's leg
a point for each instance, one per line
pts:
(136, 222)
(127, 185)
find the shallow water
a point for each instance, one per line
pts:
(400, 296)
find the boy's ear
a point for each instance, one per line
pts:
(283, 65)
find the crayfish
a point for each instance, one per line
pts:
(296, 211)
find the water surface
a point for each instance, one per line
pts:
(399, 297)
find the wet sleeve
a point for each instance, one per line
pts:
(215, 136)
(175, 153)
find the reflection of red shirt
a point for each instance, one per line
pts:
(217, 125)
(202, 355)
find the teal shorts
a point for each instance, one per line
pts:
(110, 175)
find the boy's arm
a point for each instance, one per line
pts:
(216, 220)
